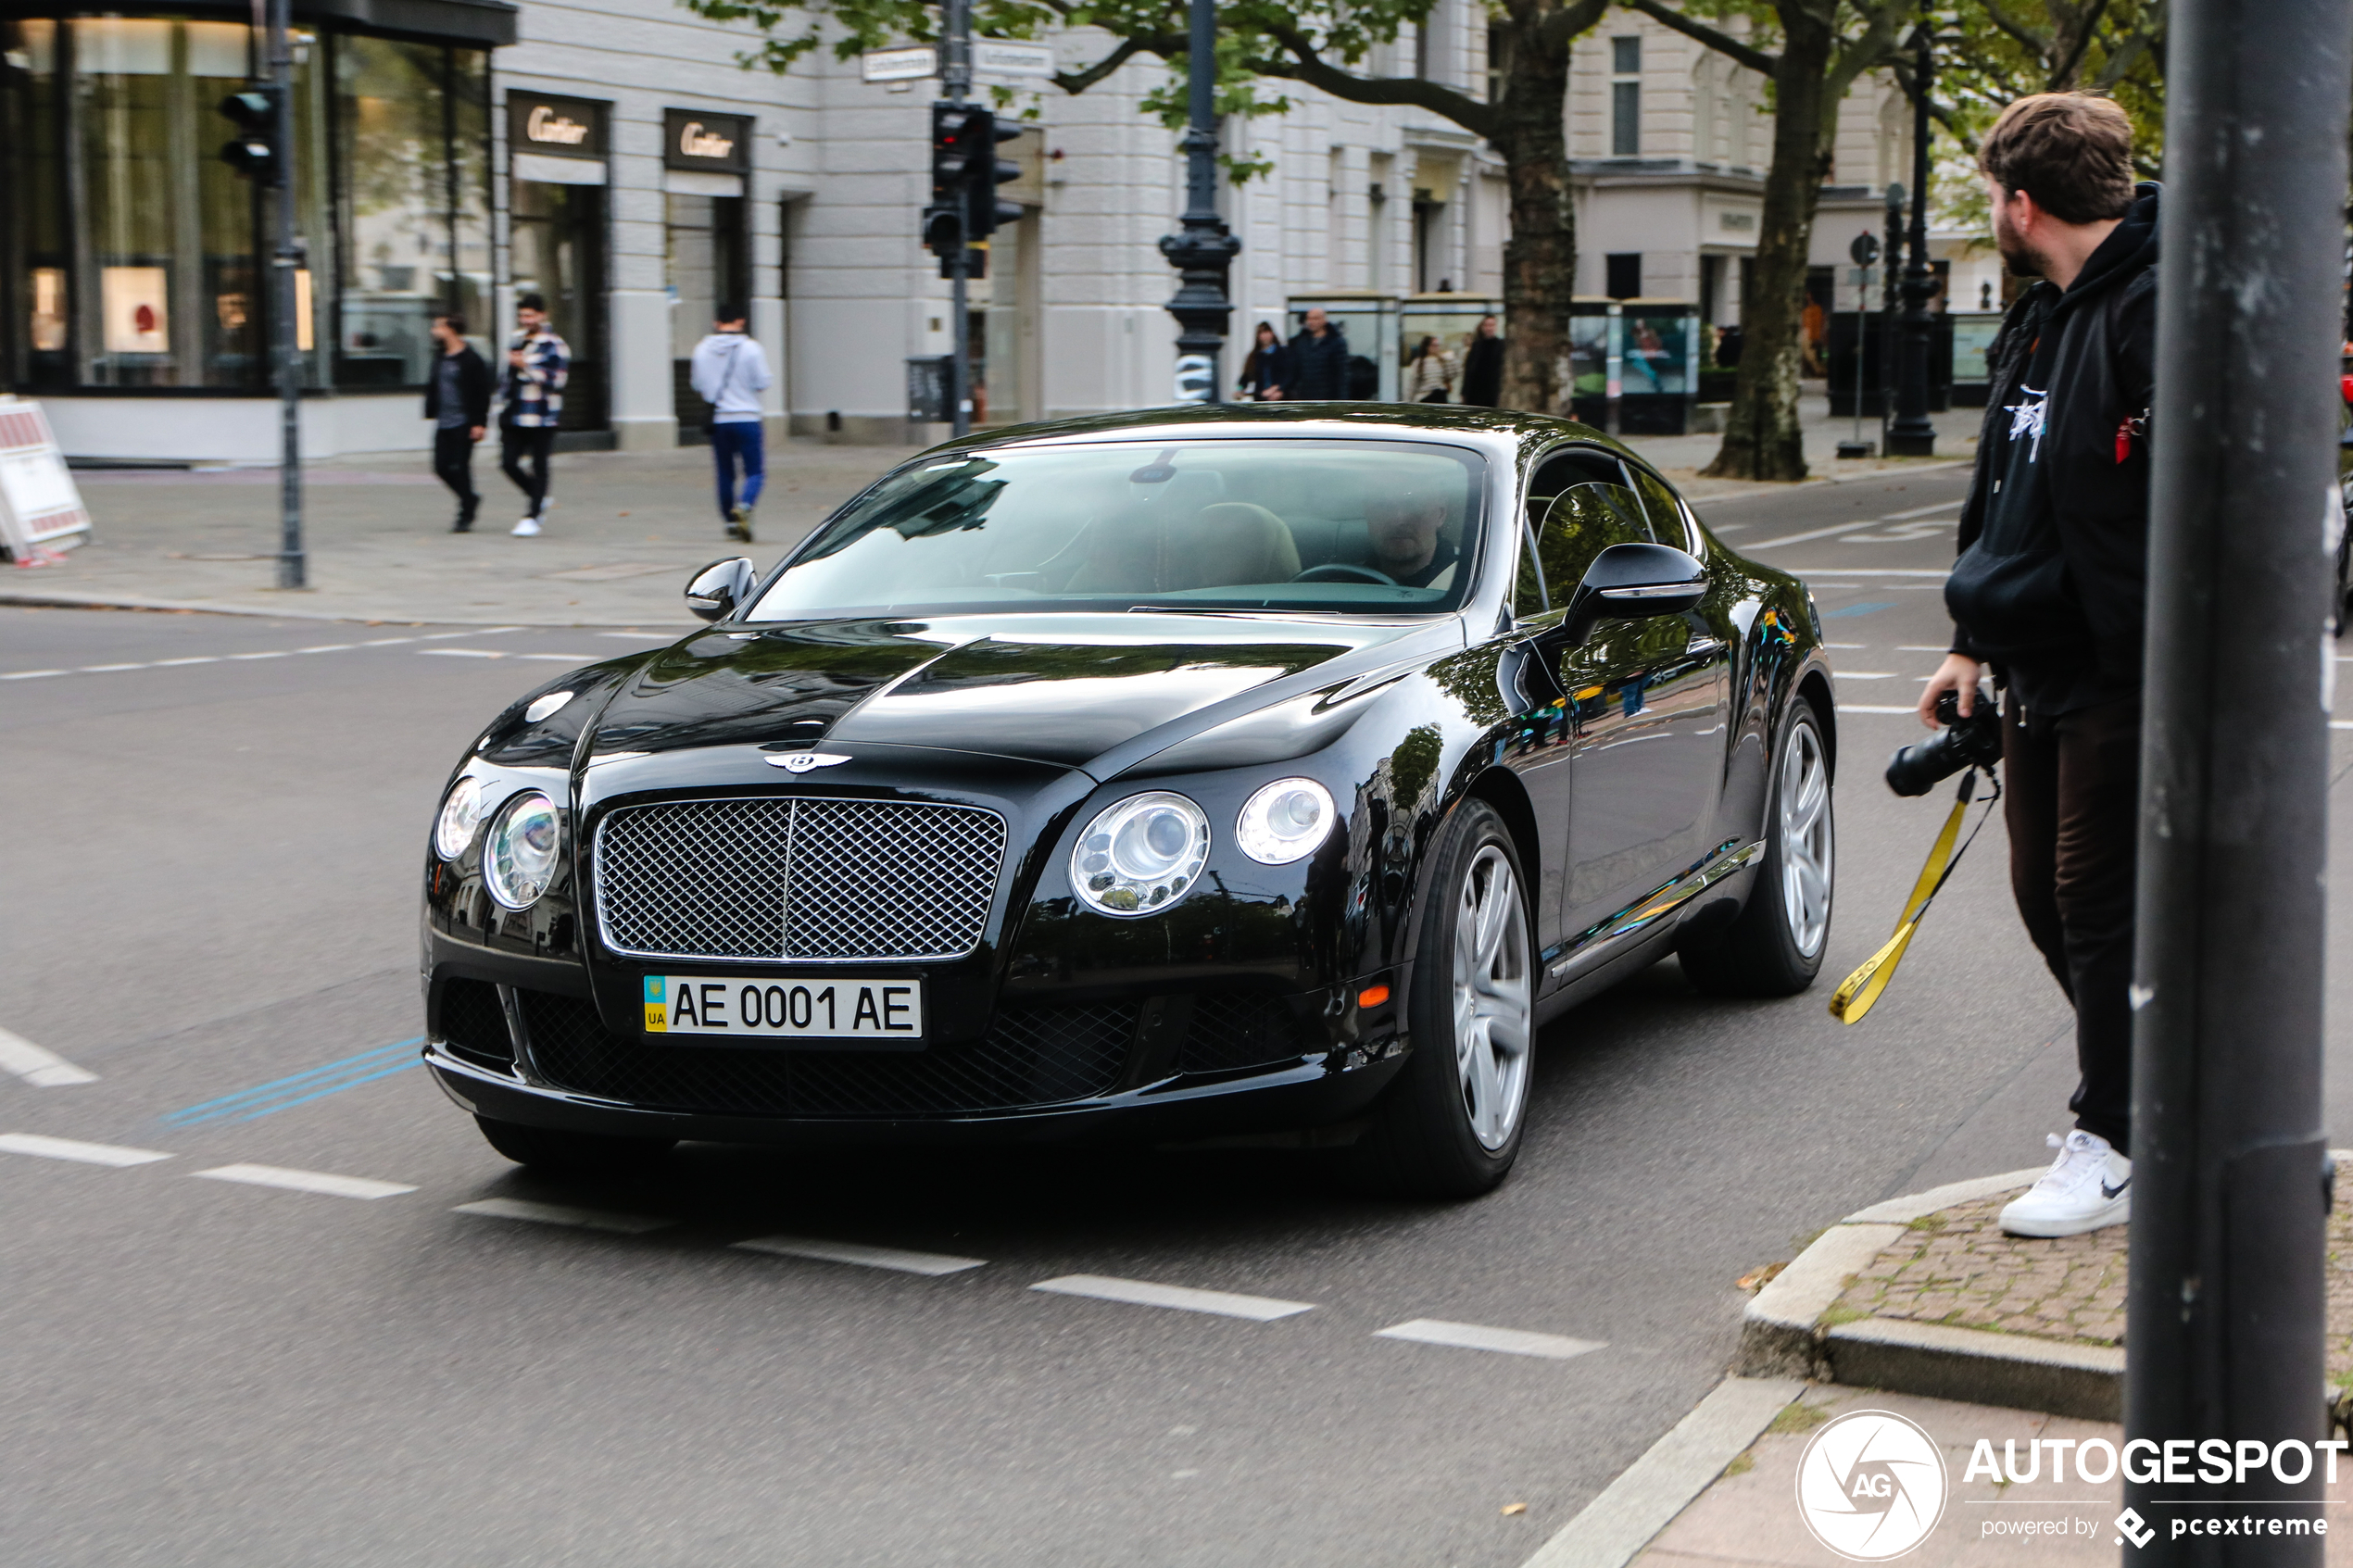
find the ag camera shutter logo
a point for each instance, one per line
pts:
(1871, 1485)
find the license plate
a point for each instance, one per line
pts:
(834, 1007)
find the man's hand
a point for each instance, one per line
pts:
(475, 434)
(1956, 674)
(514, 357)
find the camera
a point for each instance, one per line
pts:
(1973, 742)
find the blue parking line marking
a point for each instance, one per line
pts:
(1864, 609)
(301, 1088)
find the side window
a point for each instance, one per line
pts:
(1579, 523)
(1558, 472)
(1665, 513)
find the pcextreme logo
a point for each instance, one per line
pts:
(1871, 1485)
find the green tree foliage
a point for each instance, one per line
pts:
(1327, 44)
(1990, 52)
(1824, 46)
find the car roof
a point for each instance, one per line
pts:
(1507, 429)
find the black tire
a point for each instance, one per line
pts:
(1422, 1142)
(1761, 953)
(586, 1154)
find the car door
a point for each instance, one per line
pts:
(1647, 697)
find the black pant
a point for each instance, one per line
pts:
(2071, 803)
(453, 464)
(518, 443)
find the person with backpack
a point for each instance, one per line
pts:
(730, 372)
(2050, 593)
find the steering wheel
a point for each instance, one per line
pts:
(1343, 571)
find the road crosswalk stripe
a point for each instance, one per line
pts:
(1143, 1293)
(854, 1252)
(39, 1066)
(563, 1214)
(69, 1149)
(304, 1181)
(1477, 1336)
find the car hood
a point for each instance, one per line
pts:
(1064, 689)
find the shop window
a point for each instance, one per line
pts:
(1626, 97)
(708, 266)
(1623, 274)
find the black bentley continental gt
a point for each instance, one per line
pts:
(1268, 769)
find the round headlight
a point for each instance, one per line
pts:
(1140, 856)
(461, 814)
(519, 860)
(1284, 820)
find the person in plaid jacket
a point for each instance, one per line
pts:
(537, 362)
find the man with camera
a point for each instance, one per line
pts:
(2050, 589)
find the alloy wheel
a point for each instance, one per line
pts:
(1493, 1000)
(1805, 838)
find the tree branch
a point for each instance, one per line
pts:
(2064, 72)
(1877, 43)
(2036, 43)
(1944, 114)
(1567, 24)
(2125, 55)
(1162, 44)
(1722, 42)
(1306, 65)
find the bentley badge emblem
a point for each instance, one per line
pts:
(801, 761)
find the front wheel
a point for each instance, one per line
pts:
(1449, 1126)
(1775, 947)
(583, 1154)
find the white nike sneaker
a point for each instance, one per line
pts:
(526, 528)
(2088, 1187)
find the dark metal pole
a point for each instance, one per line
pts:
(2224, 1314)
(292, 564)
(1911, 435)
(956, 79)
(1894, 282)
(1203, 251)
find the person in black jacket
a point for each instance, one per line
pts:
(1268, 370)
(458, 402)
(1484, 366)
(1318, 359)
(2050, 591)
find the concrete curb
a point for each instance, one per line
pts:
(1609, 1531)
(60, 600)
(1782, 1334)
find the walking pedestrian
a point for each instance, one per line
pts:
(2051, 592)
(1484, 366)
(1268, 370)
(1430, 377)
(1318, 359)
(458, 402)
(537, 363)
(730, 371)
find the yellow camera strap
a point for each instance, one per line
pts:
(1861, 989)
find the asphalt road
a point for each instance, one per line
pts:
(210, 866)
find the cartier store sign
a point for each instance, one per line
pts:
(555, 127)
(696, 139)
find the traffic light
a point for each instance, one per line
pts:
(985, 173)
(253, 151)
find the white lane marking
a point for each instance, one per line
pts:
(563, 1214)
(68, 1148)
(291, 653)
(634, 636)
(460, 653)
(42, 1068)
(1866, 571)
(2341, 723)
(1863, 675)
(1923, 648)
(853, 1253)
(1855, 527)
(1143, 1293)
(1847, 645)
(559, 658)
(1923, 512)
(1477, 1336)
(1861, 708)
(304, 1181)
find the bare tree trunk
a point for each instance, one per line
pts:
(1761, 436)
(1540, 259)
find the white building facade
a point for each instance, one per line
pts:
(612, 156)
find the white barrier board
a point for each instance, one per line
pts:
(40, 505)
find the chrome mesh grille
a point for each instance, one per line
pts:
(793, 878)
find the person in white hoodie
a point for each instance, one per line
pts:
(731, 372)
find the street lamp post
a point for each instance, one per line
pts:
(286, 348)
(1911, 435)
(955, 81)
(1203, 249)
(2224, 1309)
(1893, 278)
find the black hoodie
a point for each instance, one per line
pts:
(2051, 586)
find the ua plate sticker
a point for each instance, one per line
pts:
(784, 1009)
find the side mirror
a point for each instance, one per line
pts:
(716, 591)
(1634, 581)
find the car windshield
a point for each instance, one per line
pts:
(1345, 527)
